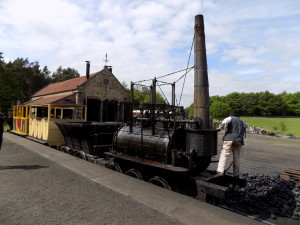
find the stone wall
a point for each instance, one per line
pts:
(104, 85)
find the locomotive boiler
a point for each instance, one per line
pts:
(181, 148)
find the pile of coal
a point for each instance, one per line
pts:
(296, 212)
(269, 195)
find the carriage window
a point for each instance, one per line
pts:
(41, 112)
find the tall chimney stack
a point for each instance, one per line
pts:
(87, 69)
(201, 91)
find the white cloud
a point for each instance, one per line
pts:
(250, 44)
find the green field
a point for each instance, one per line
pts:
(288, 126)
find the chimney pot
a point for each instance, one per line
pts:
(87, 69)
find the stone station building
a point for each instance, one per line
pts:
(97, 97)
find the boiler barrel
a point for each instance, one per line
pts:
(153, 147)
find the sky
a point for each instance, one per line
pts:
(252, 45)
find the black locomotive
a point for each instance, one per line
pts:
(158, 144)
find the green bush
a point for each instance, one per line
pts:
(6, 126)
(219, 110)
(282, 126)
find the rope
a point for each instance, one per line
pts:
(175, 72)
(163, 94)
(141, 85)
(186, 70)
(169, 74)
(184, 74)
(163, 82)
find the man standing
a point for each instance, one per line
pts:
(1, 128)
(233, 141)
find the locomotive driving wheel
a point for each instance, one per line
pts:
(114, 166)
(134, 173)
(161, 182)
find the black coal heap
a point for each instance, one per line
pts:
(266, 195)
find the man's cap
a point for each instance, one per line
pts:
(233, 113)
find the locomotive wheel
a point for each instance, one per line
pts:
(114, 166)
(82, 155)
(134, 173)
(161, 182)
(66, 150)
(212, 199)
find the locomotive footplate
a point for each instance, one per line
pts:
(215, 187)
(147, 162)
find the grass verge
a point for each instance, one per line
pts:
(287, 126)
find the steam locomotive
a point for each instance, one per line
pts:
(159, 145)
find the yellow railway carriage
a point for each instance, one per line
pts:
(38, 121)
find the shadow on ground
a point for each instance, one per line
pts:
(24, 167)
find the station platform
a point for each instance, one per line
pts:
(40, 185)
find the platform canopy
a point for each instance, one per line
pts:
(51, 100)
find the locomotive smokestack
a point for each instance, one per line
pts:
(87, 69)
(201, 91)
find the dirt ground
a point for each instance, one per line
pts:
(265, 154)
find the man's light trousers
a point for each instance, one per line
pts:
(228, 146)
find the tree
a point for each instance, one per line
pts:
(64, 74)
(142, 95)
(9, 90)
(296, 108)
(219, 110)
(271, 104)
(215, 98)
(159, 99)
(28, 77)
(39, 78)
(190, 111)
(234, 101)
(293, 103)
(249, 104)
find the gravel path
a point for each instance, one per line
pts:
(265, 154)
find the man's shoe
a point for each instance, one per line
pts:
(217, 174)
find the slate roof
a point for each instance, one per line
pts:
(67, 85)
